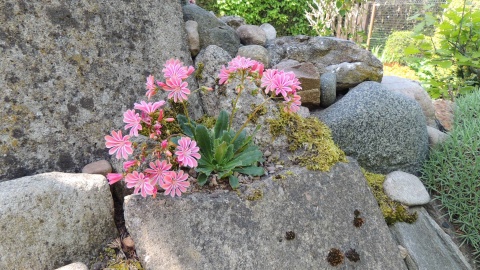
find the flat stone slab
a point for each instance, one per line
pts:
(289, 223)
(429, 247)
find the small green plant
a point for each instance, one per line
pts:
(452, 172)
(450, 59)
(222, 151)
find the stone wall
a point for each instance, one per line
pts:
(68, 70)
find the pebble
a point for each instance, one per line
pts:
(405, 188)
(102, 167)
(128, 244)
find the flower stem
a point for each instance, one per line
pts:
(240, 87)
(248, 119)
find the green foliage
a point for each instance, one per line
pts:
(210, 5)
(324, 16)
(395, 46)
(450, 62)
(286, 16)
(223, 151)
(392, 211)
(452, 172)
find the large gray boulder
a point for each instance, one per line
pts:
(415, 91)
(290, 223)
(70, 70)
(428, 246)
(384, 131)
(52, 219)
(351, 63)
(212, 31)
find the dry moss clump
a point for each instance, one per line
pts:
(313, 138)
(392, 211)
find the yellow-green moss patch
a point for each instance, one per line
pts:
(257, 194)
(314, 139)
(392, 211)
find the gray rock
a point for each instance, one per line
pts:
(310, 204)
(212, 31)
(255, 52)
(435, 136)
(70, 70)
(405, 188)
(74, 266)
(415, 91)
(210, 61)
(270, 32)
(351, 63)
(385, 131)
(51, 219)
(102, 167)
(233, 21)
(309, 78)
(251, 35)
(193, 38)
(328, 89)
(429, 247)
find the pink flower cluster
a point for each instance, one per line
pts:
(175, 74)
(275, 81)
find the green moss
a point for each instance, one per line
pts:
(207, 121)
(199, 71)
(262, 110)
(256, 195)
(313, 137)
(392, 211)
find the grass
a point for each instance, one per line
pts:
(452, 172)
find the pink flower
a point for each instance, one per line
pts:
(114, 177)
(149, 108)
(175, 69)
(177, 88)
(267, 80)
(282, 83)
(241, 62)
(292, 103)
(151, 87)
(141, 183)
(187, 152)
(133, 121)
(128, 164)
(224, 75)
(121, 145)
(158, 170)
(175, 184)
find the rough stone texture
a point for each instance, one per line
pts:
(405, 188)
(351, 63)
(212, 31)
(74, 266)
(233, 21)
(255, 52)
(49, 220)
(69, 71)
(224, 230)
(102, 167)
(444, 112)
(385, 131)
(435, 136)
(428, 245)
(251, 35)
(415, 91)
(270, 32)
(309, 78)
(193, 38)
(328, 89)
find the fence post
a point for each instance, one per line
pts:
(370, 27)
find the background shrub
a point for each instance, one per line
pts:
(395, 46)
(286, 16)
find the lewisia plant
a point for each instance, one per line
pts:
(221, 150)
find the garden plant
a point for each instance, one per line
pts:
(221, 150)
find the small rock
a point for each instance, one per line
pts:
(74, 266)
(251, 35)
(328, 89)
(255, 52)
(267, 153)
(191, 28)
(270, 31)
(233, 21)
(405, 188)
(102, 167)
(435, 136)
(128, 244)
(403, 251)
